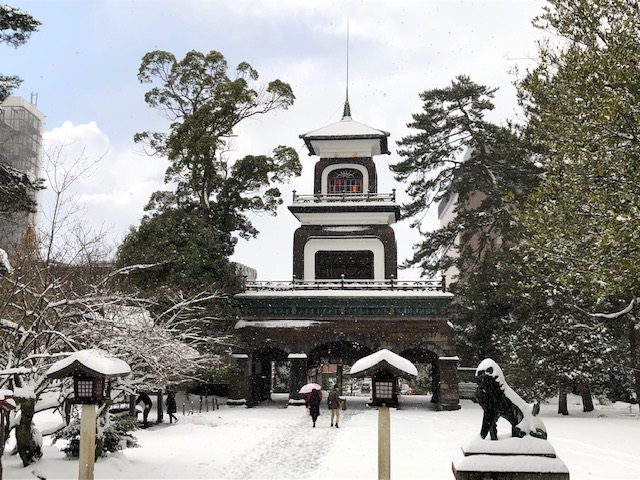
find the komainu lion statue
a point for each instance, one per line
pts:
(498, 399)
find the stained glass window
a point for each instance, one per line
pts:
(345, 181)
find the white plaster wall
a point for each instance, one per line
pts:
(346, 218)
(342, 244)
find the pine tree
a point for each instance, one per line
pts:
(487, 170)
(16, 27)
(456, 154)
(15, 186)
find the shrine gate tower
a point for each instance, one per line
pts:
(344, 300)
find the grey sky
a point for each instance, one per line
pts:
(83, 64)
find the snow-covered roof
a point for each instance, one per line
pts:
(347, 127)
(340, 138)
(384, 359)
(342, 293)
(288, 323)
(93, 361)
(297, 355)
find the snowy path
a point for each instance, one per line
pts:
(294, 450)
(274, 442)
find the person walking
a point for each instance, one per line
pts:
(334, 405)
(314, 405)
(144, 398)
(172, 407)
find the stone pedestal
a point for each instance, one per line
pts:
(239, 381)
(297, 377)
(508, 458)
(449, 397)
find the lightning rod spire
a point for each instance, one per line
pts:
(347, 109)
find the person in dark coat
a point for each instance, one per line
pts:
(314, 404)
(172, 407)
(144, 398)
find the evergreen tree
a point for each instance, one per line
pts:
(15, 189)
(16, 27)
(486, 170)
(584, 221)
(456, 154)
(204, 104)
(185, 247)
(15, 186)
(481, 308)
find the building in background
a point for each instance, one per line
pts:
(21, 128)
(248, 273)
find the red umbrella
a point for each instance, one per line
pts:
(309, 387)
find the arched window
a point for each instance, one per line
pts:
(345, 180)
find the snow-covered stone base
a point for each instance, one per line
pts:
(234, 402)
(508, 458)
(297, 402)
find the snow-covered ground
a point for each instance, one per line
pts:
(271, 441)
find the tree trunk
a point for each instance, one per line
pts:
(562, 401)
(105, 420)
(635, 356)
(587, 400)
(28, 448)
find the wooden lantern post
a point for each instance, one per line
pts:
(384, 367)
(89, 369)
(384, 443)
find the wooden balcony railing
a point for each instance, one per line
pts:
(346, 284)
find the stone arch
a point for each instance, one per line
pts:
(261, 372)
(340, 349)
(337, 353)
(425, 355)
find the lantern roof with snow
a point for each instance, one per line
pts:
(93, 363)
(384, 360)
(346, 138)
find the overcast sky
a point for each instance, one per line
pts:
(82, 65)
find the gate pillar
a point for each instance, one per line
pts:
(297, 377)
(449, 396)
(240, 381)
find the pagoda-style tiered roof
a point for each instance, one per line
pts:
(346, 138)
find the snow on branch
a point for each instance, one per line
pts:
(4, 262)
(604, 316)
(611, 316)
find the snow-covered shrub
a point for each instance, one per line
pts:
(114, 437)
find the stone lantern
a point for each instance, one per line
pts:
(384, 367)
(89, 369)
